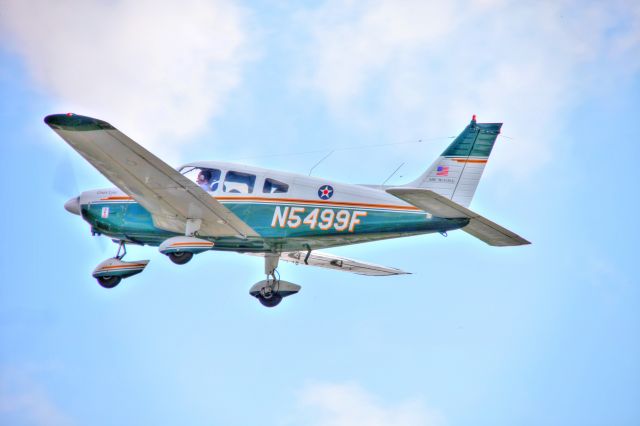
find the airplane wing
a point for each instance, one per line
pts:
(329, 261)
(480, 227)
(170, 197)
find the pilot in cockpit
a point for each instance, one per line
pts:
(204, 180)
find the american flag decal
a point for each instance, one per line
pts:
(442, 171)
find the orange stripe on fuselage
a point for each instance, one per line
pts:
(293, 201)
(117, 198)
(318, 202)
(192, 244)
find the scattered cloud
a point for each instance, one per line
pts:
(23, 401)
(157, 70)
(347, 404)
(413, 68)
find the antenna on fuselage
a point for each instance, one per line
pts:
(394, 172)
(318, 163)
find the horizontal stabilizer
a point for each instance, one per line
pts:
(329, 261)
(480, 227)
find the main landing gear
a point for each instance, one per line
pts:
(110, 272)
(109, 281)
(271, 291)
(180, 258)
(180, 250)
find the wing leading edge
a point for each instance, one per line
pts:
(171, 198)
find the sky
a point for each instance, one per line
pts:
(477, 335)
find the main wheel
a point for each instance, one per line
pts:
(271, 302)
(180, 258)
(109, 282)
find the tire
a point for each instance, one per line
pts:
(271, 302)
(180, 258)
(109, 282)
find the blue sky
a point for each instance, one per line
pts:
(544, 334)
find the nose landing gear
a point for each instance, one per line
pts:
(268, 295)
(271, 291)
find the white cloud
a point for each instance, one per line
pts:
(347, 404)
(23, 401)
(157, 70)
(415, 68)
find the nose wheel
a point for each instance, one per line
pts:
(271, 291)
(268, 295)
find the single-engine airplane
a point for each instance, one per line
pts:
(210, 205)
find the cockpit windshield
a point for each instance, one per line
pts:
(205, 178)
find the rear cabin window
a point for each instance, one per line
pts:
(272, 186)
(239, 183)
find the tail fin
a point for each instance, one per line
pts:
(456, 173)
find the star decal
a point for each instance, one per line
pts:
(325, 192)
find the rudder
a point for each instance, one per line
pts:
(457, 172)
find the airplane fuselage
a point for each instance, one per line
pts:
(313, 213)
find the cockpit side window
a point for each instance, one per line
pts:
(272, 186)
(206, 178)
(239, 183)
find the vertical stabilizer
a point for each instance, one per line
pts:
(456, 173)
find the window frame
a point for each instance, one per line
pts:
(250, 186)
(277, 182)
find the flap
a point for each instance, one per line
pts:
(330, 261)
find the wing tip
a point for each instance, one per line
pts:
(393, 271)
(74, 122)
(517, 242)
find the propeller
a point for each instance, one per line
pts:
(65, 185)
(64, 177)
